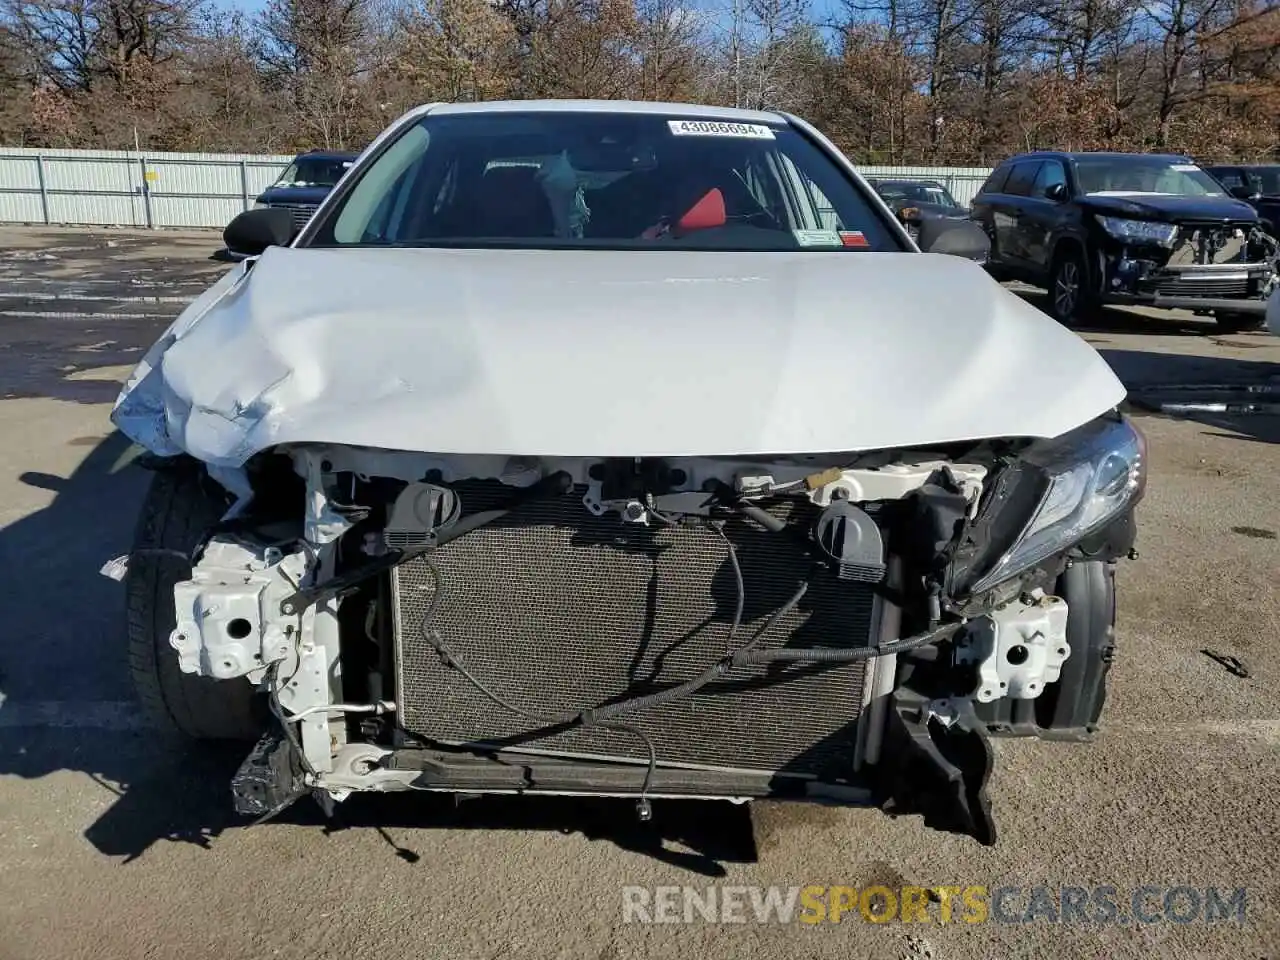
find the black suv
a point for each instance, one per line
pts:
(1123, 228)
(300, 189)
(306, 182)
(1256, 183)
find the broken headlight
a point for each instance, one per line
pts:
(1140, 230)
(1083, 481)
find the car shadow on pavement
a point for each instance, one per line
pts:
(1119, 320)
(1240, 399)
(696, 835)
(66, 705)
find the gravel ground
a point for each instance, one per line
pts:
(115, 843)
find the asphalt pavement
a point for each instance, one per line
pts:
(116, 842)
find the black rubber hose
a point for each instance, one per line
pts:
(748, 657)
(718, 669)
(842, 655)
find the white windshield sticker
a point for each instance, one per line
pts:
(1185, 167)
(719, 128)
(818, 238)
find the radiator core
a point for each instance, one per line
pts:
(554, 610)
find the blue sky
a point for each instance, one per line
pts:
(819, 9)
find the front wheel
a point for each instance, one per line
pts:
(1069, 708)
(181, 505)
(1071, 301)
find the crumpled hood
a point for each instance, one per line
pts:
(603, 353)
(1169, 208)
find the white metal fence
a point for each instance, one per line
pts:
(118, 188)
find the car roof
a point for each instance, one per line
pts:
(326, 155)
(606, 106)
(1081, 154)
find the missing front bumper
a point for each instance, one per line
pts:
(933, 766)
(1227, 287)
(1253, 307)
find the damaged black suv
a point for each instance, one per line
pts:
(1097, 228)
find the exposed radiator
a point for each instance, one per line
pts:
(555, 610)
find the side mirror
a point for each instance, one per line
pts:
(254, 230)
(958, 238)
(1057, 192)
(1244, 192)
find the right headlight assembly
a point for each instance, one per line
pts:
(1072, 487)
(1140, 230)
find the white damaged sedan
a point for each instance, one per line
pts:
(627, 450)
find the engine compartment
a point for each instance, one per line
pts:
(641, 628)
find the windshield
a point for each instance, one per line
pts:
(605, 181)
(916, 192)
(1155, 175)
(313, 172)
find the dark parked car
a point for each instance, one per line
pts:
(303, 186)
(1096, 228)
(914, 201)
(1256, 184)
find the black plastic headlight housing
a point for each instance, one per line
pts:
(1054, 495)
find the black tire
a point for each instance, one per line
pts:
(1238, 322)
(180, 506)
(1071, 707)
(1071, 298)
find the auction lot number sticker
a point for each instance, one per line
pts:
(719, 128)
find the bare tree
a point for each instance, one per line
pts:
(314, 52)
(452, 50)
(669, 47)
(76, 44)
(1178, 25)
(957, 81)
